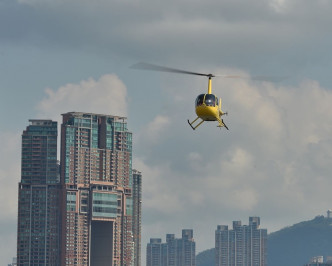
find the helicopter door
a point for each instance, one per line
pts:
(199, 100)
(210, 100)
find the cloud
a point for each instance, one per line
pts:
(9, 173)
(243, 34)
(155, 128)
(9, 178)
(107, 95)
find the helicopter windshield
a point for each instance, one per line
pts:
(199, 99)
(210, 99)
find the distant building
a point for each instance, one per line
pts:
(329, 214)
(319, 261)
(154, 252)
(244, 245)
(38, 225)
(175, 252)
(14, 262)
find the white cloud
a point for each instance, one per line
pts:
(154, 130)
(279, 5)
(244, 199)
(239, 163)
(107, 95)
(156, 194)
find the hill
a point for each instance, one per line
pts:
(295, 245)
(206, 258)
(291, 246)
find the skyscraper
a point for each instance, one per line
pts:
(244, 245)
(97, 199)
(154, 253)
(175, 252)
(38, 200)
(186, 248)
(137, 214)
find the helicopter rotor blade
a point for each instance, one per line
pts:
(148, 66)
(259, 78)
(268, 78)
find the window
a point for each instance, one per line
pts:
(199, 99)
(104, 205)
(210, 100)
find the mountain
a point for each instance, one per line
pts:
(291, 246)
(295, 245)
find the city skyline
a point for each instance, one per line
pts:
(63, 56)
(96, 158)
(85, 210)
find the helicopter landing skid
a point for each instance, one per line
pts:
(195, 126)
(190, 125)
(224, 124)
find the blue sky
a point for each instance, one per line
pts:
(274, 162)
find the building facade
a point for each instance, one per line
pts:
(154, 252)
(244, 245)
(38, 201)
(97, 190)
(137, 214)
(175, 252)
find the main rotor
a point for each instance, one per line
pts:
(148, 66)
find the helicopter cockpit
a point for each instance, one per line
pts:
(208, 99)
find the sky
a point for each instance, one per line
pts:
(274, 162)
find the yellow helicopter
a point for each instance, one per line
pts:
(207, 106)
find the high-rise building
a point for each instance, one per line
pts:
(154, 252)
(186, 248)
(244, 245)
(175, 252)
(38, 200)
(97, 199)
(137, 214)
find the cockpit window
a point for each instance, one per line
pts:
(210, 100)
(200, 99)
(217, 103)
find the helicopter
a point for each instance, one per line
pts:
(207, 105)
